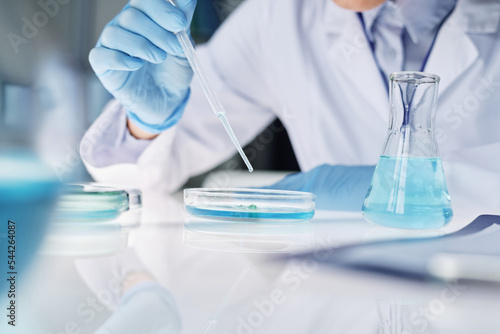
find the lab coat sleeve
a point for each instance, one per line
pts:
(234, 62)
(473, 179)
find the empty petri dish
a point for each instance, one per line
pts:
(257, 205)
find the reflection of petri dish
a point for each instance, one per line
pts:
(85, 240)
(91, 202)
(257, 205)
(248, 237)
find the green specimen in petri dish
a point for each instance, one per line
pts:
(251, 206)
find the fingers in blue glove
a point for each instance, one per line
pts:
(115, 60)
(117, 38)
(187, 7)
(135, 21)
(165, 14)
(140, 61)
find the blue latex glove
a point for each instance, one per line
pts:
(341, 188)
(145, 308)
(140, 62)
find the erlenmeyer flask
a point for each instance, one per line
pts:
(408, 188)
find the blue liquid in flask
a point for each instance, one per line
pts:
(408, 192)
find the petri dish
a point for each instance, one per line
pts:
(89, 202)
(257, 205)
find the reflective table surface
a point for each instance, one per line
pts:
(159, 272)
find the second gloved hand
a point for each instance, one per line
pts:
(146, 308)
(341, 188)
(140, 62)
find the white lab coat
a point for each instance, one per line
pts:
(309, 64)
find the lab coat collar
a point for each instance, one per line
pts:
(405, 9)
(454, 51)
(369, 17)
(477, 17)
(435, 12)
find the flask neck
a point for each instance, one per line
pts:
(413, 99)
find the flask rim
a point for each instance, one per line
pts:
(418, 77)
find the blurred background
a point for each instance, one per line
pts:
(49, 95)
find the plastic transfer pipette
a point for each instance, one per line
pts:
(217, 108)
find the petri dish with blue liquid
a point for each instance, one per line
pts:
(246, 204)
(91, 203)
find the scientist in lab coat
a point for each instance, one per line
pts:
(321, 67)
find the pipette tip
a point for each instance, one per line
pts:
(229, 130)
(245, 160)
(247, 163)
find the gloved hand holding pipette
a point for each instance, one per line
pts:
(155, 67)
(140, 61)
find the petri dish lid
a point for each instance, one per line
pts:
(247, 204)
(91, 202)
